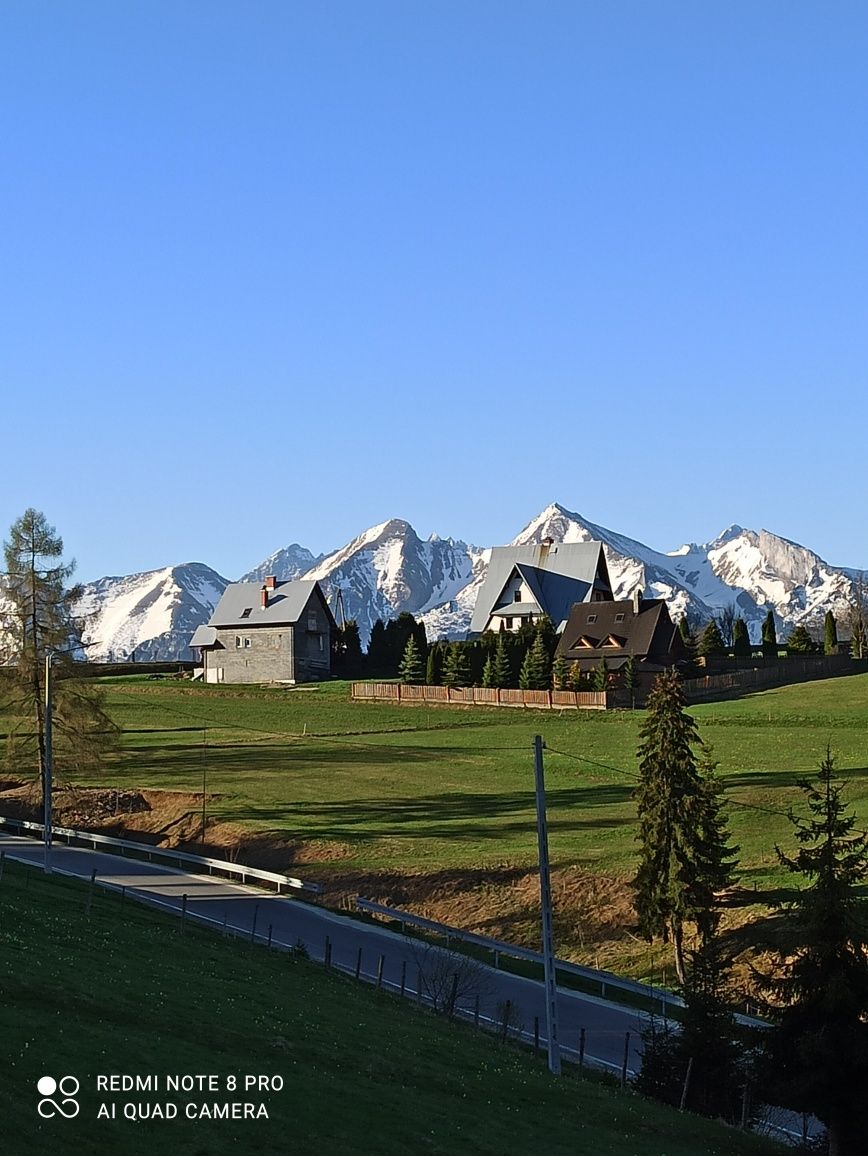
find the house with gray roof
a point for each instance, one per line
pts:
(524, 584)
(267, 632)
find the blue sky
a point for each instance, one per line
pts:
(276, 271)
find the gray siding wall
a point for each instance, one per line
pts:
(297, 653)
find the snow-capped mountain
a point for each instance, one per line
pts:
(389, 569)
(755, 570)
(151, 615)
(290, 562)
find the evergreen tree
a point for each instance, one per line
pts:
(740, 638)
(672, 885)
(630, 678)
(576, 678)
(377, 649)
(434, 668)
(687, 636)
(800, 642)
(456, 668)
(830, 634)
(600, 676)
(560, 673)
(536, 668)
(818, 1053)
(487, 672)
(348, 650)
(501, 670)
(41, 623)
(711, 641)
(770, 636)
(412, 669)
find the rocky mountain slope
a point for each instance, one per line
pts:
(389, 569)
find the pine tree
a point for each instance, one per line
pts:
(830, 634)
(41, 623)
(434, 668)
(800, 642)
(456, 668)
(576, 678)
(740, 638)
(711, 641)
(487, 672)
(411, 669)
(560, 672)
(536, 668)
(377, 649)
(770, 636)
(600, 676)
(501, 670)
(818, 1053)
(672, 885)
(348, 650)
(630, 679)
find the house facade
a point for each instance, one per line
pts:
(639, 628)
(524, 584)
(268, 632)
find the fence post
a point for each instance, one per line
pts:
(380, 963)
(225, 917)
(536, 1035)
(359, 963)
(686, 1086)
(507, 1007)
(626, 1058)
(745, 1112)
(269, 937)
(2, 863)
(419, 984)
(476, 1012)
(183, 912)
(90, 890)
(327, 953)
(581, 1051)
(403, 977)
(253, 928)
(453, 995)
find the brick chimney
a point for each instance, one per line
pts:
(271, 582)
(263, 598)
(637, 600)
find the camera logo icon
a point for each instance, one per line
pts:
(66, 1088)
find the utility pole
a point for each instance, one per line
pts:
(545, 894)
(204, 774)
(46, 770)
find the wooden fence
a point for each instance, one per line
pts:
(773, 673)
(484, 696)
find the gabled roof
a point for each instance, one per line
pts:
(559, 575)
(204, 636)
(240, 604)
(647, 632)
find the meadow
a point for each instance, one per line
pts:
(432, 806)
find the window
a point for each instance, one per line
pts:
(516, 597)
(237, 642)
(619, 617)
(508, 623)
(311, 622)
(245, 613)
(246, 643)
(321, 644)
(592, 618)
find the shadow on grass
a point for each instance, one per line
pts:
(449, 815)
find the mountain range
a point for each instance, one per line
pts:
(389, 569)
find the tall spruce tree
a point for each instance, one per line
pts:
(672, 888)
(600, 676)
(630, 679)
(501, 668)
(830, 634)
(348, 650)
(710, 642)
(817, 1055)
(456, 667)
(740, 638)
(434, 666)
(536, 668)
(560, 673)
(487, 673)
(378, 649)
(41, 623)
(770, 636)
(800, 641)
(411, 668)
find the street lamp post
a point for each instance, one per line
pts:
(545, 891)
(47, 768)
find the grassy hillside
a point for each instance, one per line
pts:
(433, 806)
(122, 991)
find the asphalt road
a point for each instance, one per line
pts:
(246, 909)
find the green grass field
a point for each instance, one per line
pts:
(380, 793)
(122, 991)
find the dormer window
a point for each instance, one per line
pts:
(245, 613)
(619, 617)
(592, 618)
